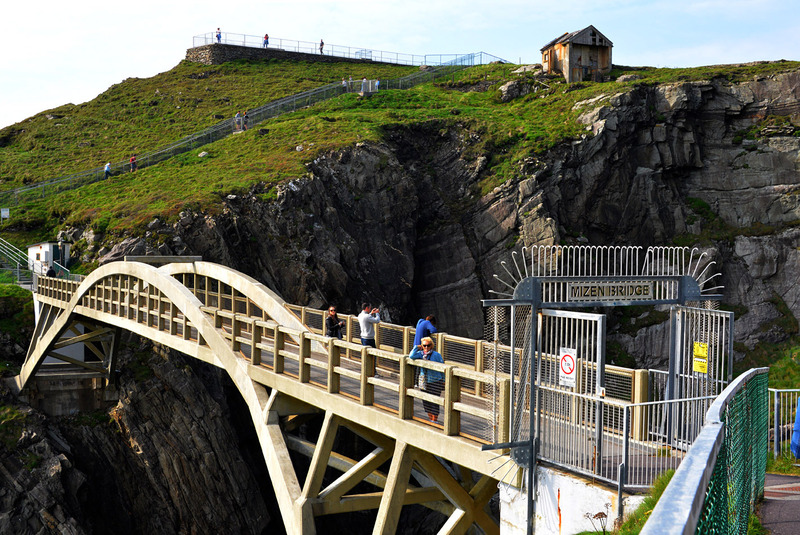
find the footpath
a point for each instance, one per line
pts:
(780, 511)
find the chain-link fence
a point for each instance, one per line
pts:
(716, 486)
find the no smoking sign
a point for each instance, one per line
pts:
(566, 374)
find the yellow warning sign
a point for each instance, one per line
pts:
(700, 354)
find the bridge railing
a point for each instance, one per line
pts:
(716, 486)
(782, 410)
(372, 377)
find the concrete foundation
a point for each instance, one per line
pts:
(565, 504)
(65, 394)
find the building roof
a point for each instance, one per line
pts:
(587, 36)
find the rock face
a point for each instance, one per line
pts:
(398, 223)
(170, 461)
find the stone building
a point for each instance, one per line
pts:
(581, 55)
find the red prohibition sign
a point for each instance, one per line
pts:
(567, 364)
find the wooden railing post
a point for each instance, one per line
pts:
(255, 340)
(367, 371)
(303, 353)
(452, 393)
(303, 315)
(503, 411)
(334, 359)
(236, 332)
(405, 408)
(278, 349)
(406, 342)
(639, 395)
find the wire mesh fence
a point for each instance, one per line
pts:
(715, 488)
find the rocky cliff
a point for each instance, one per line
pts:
(174, 456)
(401, 223)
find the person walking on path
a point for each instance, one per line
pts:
(266, 40)
(245, 119)
(133, 163)
(425, 327)
(333, 325)
(219, 36)
(321, 44)
(366, 322)
(429, 381)
(107, 170)
(237, 121)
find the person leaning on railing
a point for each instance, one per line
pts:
(429, 381)
(333, 325)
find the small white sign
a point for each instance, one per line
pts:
(567, 365)
(5, 213)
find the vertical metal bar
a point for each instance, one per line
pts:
(776, 424)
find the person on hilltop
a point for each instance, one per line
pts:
(266, 40)
(321, 44)
(429, 381)
(133, 163)
(219, 36)
(366, 322)
(333, 325)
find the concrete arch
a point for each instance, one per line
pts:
(216, 351)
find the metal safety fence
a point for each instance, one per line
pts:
(229, 126)
(722, 476)
(783, 411)
(329, 49)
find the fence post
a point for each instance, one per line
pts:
(503, 429)
(277, 362)
(367, 371)
(775, 425)
(334, 359)
(405, 408)
(452, 394)
(639, 395)
(255, 340)
(303, 352)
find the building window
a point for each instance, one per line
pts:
(38, 256)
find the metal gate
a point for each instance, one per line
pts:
(570, 383)
(701, 366)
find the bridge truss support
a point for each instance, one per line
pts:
(414, 476)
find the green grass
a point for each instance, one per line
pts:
(12, 422)
(143, 114)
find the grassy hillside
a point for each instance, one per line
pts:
(142, 114)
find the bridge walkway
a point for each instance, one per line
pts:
(287, 373)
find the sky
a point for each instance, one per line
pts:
(69, 52)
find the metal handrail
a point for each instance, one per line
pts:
(340, 51)
(227, 126)
(681, 506)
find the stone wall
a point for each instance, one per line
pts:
(216, 54)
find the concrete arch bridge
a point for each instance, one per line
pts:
(286, 372)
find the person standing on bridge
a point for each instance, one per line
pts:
(321, 44)
(219, 36)
(266, 40)
(333, 325)
(429, 381)
(366, 323)
(425, 327)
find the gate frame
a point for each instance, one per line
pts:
(530, 292)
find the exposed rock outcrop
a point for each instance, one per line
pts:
(399, 222)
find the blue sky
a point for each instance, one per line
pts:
(64, 52)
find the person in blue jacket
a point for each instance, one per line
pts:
(425, 327)
(430, 381)
(795, 445)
